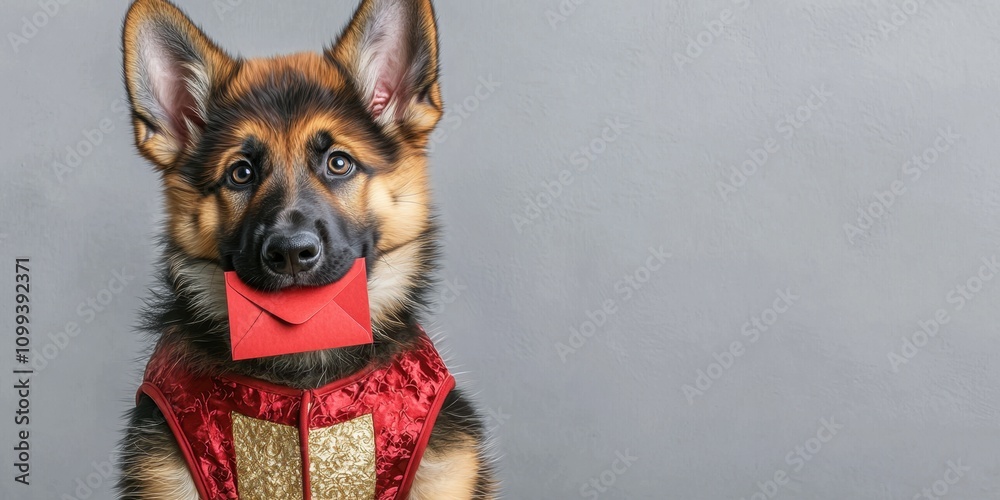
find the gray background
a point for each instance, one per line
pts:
(896, 80)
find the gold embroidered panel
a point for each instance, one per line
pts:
(342, 461)
(269, 460)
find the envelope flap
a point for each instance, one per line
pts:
(296, 305)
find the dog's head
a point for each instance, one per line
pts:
(288, 169)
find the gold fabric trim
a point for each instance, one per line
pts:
(268, 459)
(342, 460)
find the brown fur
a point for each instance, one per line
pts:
(393, 196)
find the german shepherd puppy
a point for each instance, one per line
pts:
(329, 145)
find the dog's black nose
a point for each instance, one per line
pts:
(292, 253)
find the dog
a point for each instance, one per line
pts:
(285, 170)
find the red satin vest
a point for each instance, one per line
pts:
(359, 437)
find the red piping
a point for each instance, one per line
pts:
(425, 436)
(304, 443)
(157, 396)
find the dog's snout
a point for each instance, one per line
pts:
(292, 253)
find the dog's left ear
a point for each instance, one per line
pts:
(390, 50)
(171, 68)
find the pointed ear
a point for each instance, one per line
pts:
(390, 49)
(170, 70)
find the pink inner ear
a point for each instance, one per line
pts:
(385, 58)
(381, 99)
(169, 85)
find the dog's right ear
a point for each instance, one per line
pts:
(170, 71)
(390, 49)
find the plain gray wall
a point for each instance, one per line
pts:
(826, 401)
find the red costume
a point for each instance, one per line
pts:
(359, 437)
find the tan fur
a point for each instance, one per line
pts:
(165, 476)
(396, 200)
(401, 201)
(447, 474)
(391, 273)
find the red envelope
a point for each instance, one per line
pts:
(299, 319)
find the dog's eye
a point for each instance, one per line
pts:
(241, 173)
(339, 164)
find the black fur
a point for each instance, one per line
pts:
(147, 430)
(177, 314)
